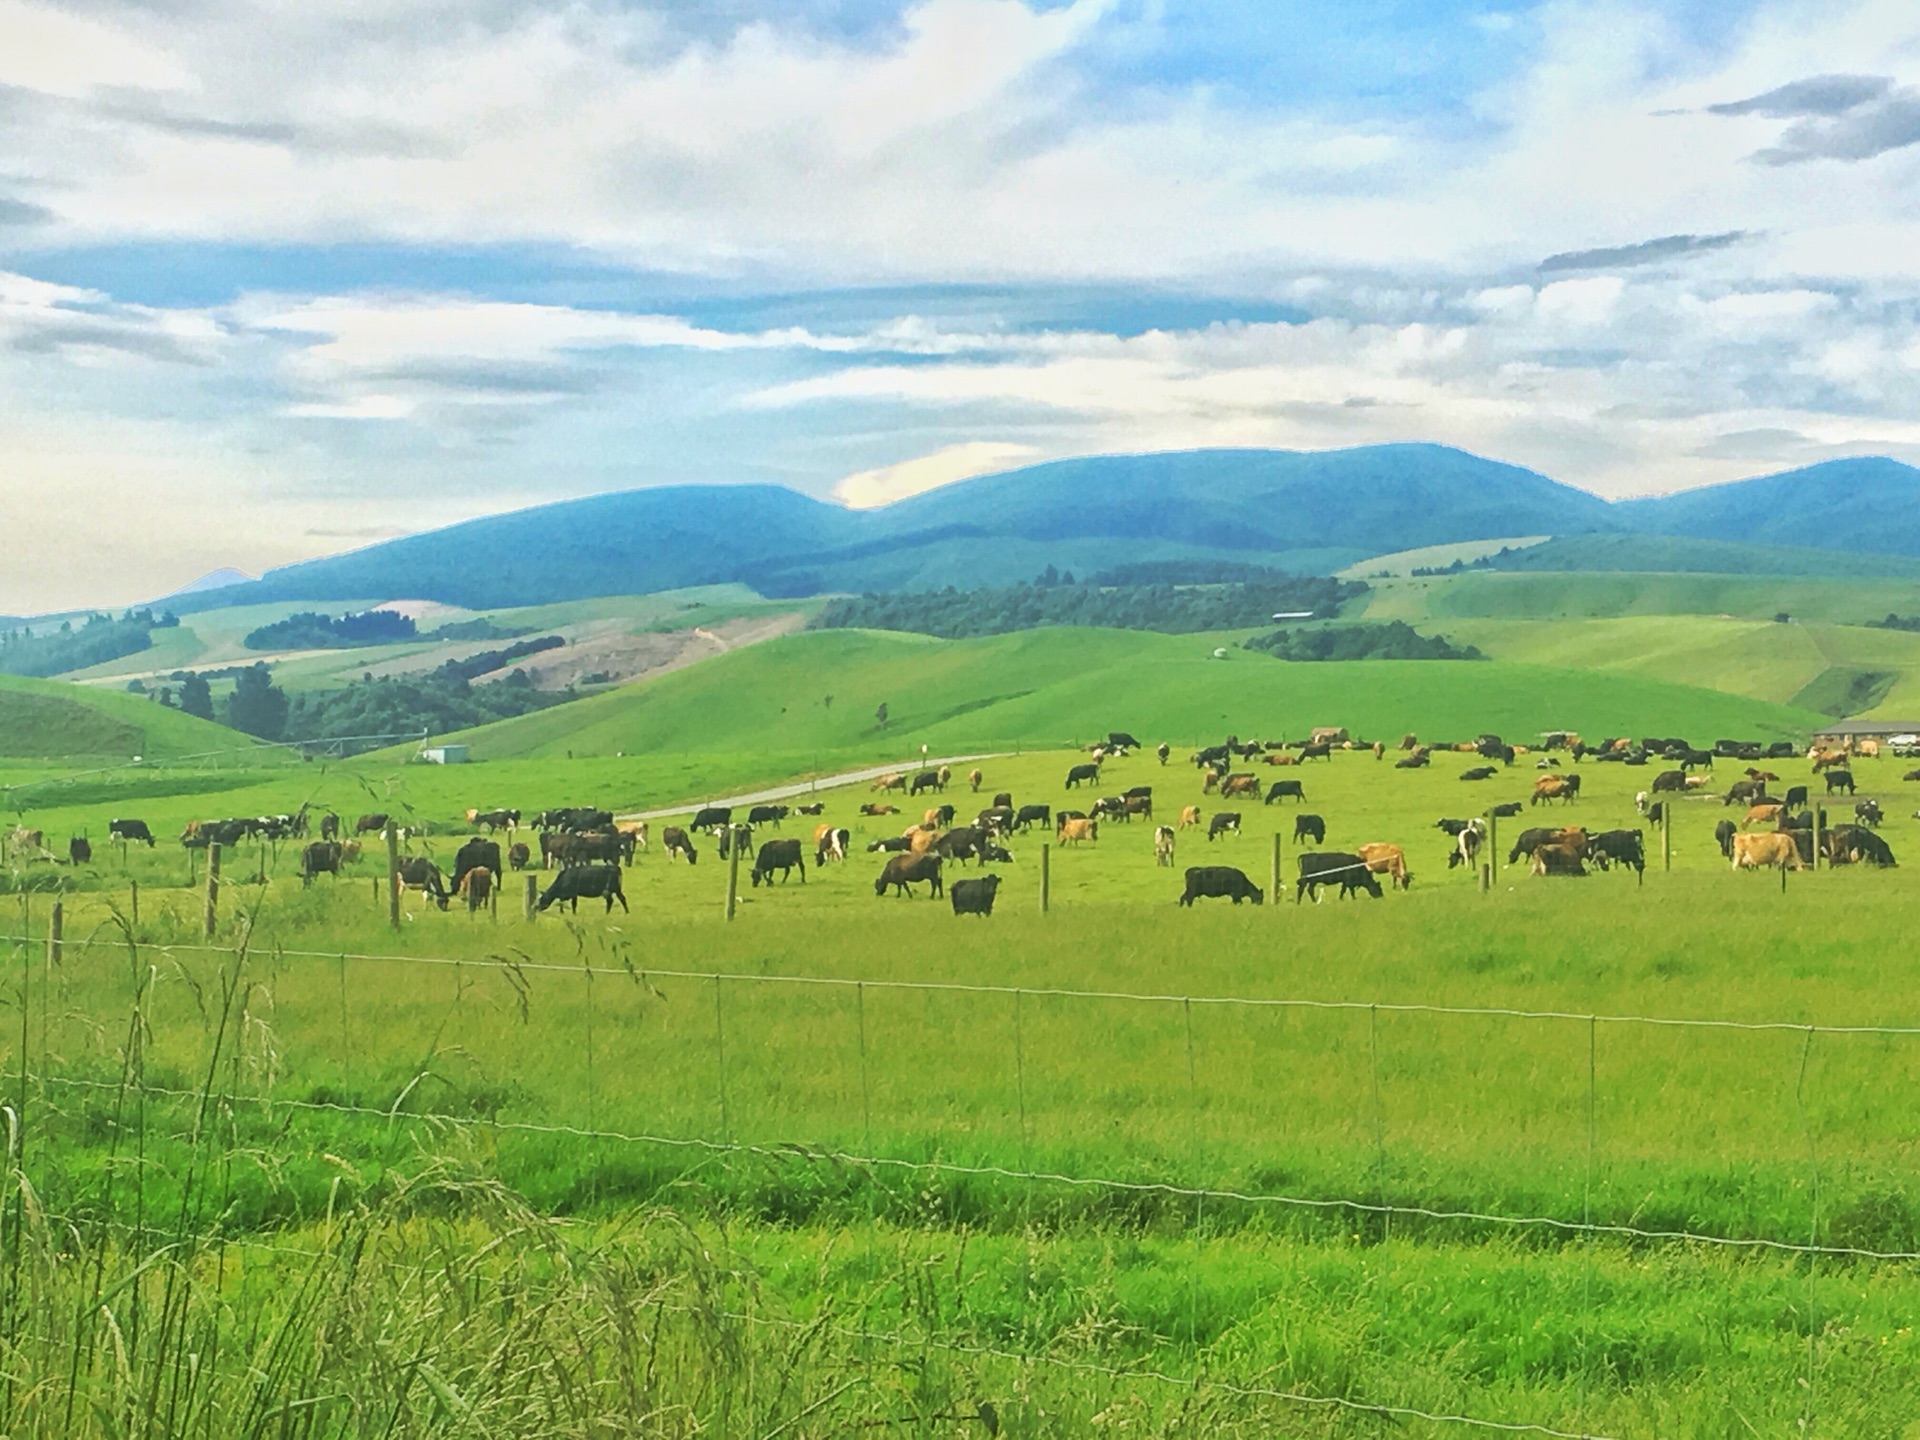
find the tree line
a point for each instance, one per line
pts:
(1395, 640)
(58, 649)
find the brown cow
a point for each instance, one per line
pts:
(890, 782)
(975, 779)
(1239, 785)
(1072, 832)
(872, 809)
(1389, 860)
(1774, 851)
(1558, 860)
(1189, 815)
(1764, 815)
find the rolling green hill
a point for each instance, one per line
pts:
(1069, 686)
(1688, 555)
(1865, 503)
(49, 719)
(1611, 594)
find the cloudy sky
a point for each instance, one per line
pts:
(282, 280)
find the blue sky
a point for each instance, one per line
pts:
(279, 280)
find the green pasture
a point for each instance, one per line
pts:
(42, 720)
(1599, 595)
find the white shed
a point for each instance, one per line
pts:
(445, 755)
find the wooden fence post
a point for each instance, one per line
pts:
(733, 870)
(1666, 835)
(1274, 870)
(1493, 848)
(213, 888)
(1046, 873)
(393, 876)
(55, 924)
(533, 897)
(133, 889)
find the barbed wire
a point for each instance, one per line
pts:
(1384, 1007)
(799, 1150)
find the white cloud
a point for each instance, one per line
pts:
(929, 472)
(60, 54)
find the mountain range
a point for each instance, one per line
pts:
(1301, 511)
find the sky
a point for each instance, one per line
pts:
(278, 281)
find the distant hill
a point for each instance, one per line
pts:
(1870, 504)
(1684, 555)
(51, 720)
(1305, 512)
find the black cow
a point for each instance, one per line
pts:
(1286, 790)
(1137, 792)
(925, 780)
(1745, 792)
(320, 858)
(831, 844)
(518, 855)
(1223, 822)
(585, 882)
(891, 845)
(781, 855)
(767, 815)
(1670, 782)
(1619, 847)
(1003, 800)
(1121, 740)
(818, 807)
(1031, 815)
(476, 854)
(676, 842)
(1723, 834)
(329, 826)
(1506, 811)
(943, 815)
(903, 871)
(1531, 840)
(1452, 827)
(1479, 772)
(419, 873)
(1334, 867)
(1797, 797)
(1413, 762)
(79, 850)
(1111, 807)
(370, 824)
(1088, 773)
(1220, 882)
(961, 843)
(1867, 812)
(131, 830)
(1309, 827)
(1848, 844)
(974, 897)
(1695, 759)
(1839, 780)
(992, 854)
(494, 820)
(711, 817)
(997, 818)
(1163, 751)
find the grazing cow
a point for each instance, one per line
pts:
(1723, 834)
(1003, 800)
(1163, 845)
(942, 778)
(818, 807)
(890, 782)
(1243, 784)
(1564, 788)
(1839, 780)
(418, 873)
(1163, 750)
(1220, 882)
(711, 817)
(677, 843)
(903, 871)
(1774, 851)
(873, 809)
(1867, 812)
(79, 850)
(1223, 822)
(1669, 781)
(1334, 867)
(1531, 840)
(925, 780)
(1309, 827)
(1657, 814)
(1828, 759)
(1855, 844)
(1111, 807)
(329, 826)
(781, 855)
(633, 837)
(585, 882)
(960, 844)
(1388, 860)
(1797, 798)
(1088, 773)
(1557, 860)
(1743, 792)
(1189, 815)
(1072, 832)
(320, 858)
(1768, 814)
(1619, 847)
(1141, 805)
(996, 819)
(1466, 844)
(830, 843)
(768, 815)
(938, 815)
(494, 820)
(132, 830)
(476, 888)
(974, 897)
(1482, 772)
(1321, 751)
(1285, 790)
(920, 840)
(476, 854)
(975, 780)
(370, 824)
(518, 855)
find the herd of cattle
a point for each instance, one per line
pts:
(585, 848)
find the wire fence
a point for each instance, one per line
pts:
(1018, 1034)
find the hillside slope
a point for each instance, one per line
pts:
(1307, 511)
(1068, 686)
(52, 720)
(1870, 503)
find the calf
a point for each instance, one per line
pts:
(132, 830)
(1219, 882)
(1189, 815)
(1506, 811)
(974, 897)
(1309, 827)
(585, 882)
(1163, 845)
(1223, 822)
(939, 815)
(677, 842)
(903, 871)
(1334, 867)
(781, 855)
(1285, 790)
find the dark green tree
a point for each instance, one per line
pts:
(196, 696)
(256, 705)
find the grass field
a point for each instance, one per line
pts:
(47, 720)
(390, 1091)
(1839, 600)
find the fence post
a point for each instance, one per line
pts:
(393, 876)
(1819, 827)
(55, 924)
(1486, 878)
(1274, 870)
(1046, 870)
(733, 870)
(533, 897)
(213, 888)
(133, 889)
(1493, 847)
(1666, 835)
